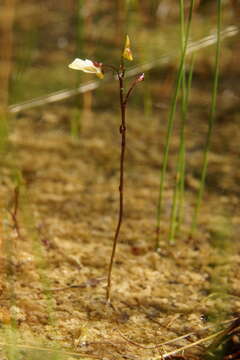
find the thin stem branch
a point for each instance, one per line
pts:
(129, 91)
(135, 82)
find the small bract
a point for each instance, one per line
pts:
(87, 66)
(127, 53)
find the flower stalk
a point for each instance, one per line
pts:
(97, 68)
(122, 130)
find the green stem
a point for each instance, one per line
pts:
(178, 197)
(173, 224)
(182, 150)
(211, 120)
(170, 127)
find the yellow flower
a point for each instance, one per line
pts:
(87, 66)
(127, 53)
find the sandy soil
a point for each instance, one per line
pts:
(54, 271)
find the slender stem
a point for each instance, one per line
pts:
(122, 130)
(14, 212)
(170, 126)
(180, 212)
(173, 223)
(135, 82)
(129, 91)
(211, 121)
(178, 196)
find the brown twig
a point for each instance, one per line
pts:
(135, 343)
(89, 283)
(14, 212)
(233, 322)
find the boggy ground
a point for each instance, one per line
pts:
(54, 272)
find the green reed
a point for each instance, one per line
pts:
(182, 158)
(171, 122)
(210, 121)
(178, 196)
(181, 154)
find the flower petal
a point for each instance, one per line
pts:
(88, 62)
(87, 66)
(77, 64)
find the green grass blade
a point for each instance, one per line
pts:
(211, 120)
(170, 126)
(175, 199)
(181, 190)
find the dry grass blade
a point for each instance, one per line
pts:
(235, 323)
(46, 349)
(227, 345)
(186, 347)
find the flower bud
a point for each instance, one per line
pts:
(127, 53)
(140, 77)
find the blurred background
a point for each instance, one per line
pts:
(38, 40)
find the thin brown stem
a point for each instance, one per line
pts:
(122, 130)
(138, 79)
(14, 212)
(130, 90)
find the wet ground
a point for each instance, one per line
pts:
(67, 216)
(57, 244)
